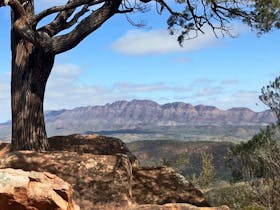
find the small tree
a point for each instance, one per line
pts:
(208, 171)
(242, 157)
(271, 96)
(258, 160)
(180, 163)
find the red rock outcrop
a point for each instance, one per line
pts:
(105, 175)
(160, 185)
(96, 179)
(21, 190)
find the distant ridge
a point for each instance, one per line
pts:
(130, 114)
(145, 115)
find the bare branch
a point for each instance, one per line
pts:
(70, 5)
(89, 24)
(125, 11)
(61, 22)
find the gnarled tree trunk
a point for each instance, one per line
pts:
(31, 67)
(33, 53)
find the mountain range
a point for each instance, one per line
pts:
(146, 117)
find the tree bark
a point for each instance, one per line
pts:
(31, 67)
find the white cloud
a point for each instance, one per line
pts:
(229, 82)
(182, 60)
(202, 82)
(249, 99)
(136, 42)
(145, 88)
(64, 89)
(209, 91)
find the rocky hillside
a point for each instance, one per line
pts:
(182, 156)
(140, 116)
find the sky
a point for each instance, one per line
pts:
(121, 62)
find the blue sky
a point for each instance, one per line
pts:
(121, 62)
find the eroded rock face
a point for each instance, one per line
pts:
(160, 185)
(96, 179)
(21, 190)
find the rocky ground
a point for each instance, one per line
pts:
(102, 174)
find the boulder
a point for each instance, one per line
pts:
(93, 144)
(21, 190)
(160, 185)
(96, 179)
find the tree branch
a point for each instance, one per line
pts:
(60, 23)
(85, 27)
(70, 5)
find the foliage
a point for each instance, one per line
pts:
(208, 171)
(194, 15)
(271, 96)
(258, 160)
(267, 14)
(180, 163)
(244, 160)
(183, 156)
(238, 196)
(253, 207)
(165, 162)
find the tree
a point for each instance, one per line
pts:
(271, 96)
(34, 48)
(245, 160)
(258, 160)
(208, 171)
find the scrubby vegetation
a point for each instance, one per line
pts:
(257, 162)
(184, 156)
(244, 176)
